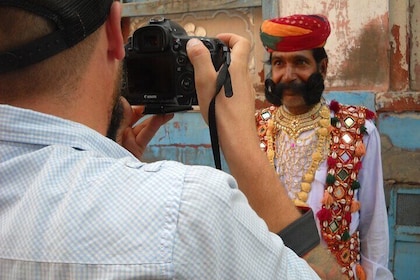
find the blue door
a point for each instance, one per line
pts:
(404, 224)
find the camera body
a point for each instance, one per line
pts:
(157, 71)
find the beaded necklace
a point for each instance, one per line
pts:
(317, 118)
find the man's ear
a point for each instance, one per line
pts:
(114, 32)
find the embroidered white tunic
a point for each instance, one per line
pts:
(371, 221)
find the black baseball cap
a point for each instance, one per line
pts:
(74, 20)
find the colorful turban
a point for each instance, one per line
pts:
(295, 33)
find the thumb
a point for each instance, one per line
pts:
(204, 74)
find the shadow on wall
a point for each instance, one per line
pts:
(367, 63)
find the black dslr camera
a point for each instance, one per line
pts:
(157, 71)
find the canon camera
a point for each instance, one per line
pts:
(157, 71)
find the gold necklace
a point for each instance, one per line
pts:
(294, 125)
(317, 118)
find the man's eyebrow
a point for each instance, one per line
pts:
(277, 56)
(294, 57)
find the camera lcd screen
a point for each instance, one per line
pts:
(150, 77)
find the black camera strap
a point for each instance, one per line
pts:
(223, 79)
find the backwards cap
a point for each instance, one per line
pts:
(74, 20)
(295, 33)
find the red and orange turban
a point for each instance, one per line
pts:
(295, 33)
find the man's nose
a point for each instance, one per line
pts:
(289, 74)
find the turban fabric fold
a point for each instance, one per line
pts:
(295, 33)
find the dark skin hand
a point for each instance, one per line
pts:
(324, 264)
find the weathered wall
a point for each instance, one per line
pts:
(358, 44)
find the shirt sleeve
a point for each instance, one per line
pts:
(219, 236)
(374, 231)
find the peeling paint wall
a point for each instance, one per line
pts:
(414, 9)
(399, 45)
(358, 45)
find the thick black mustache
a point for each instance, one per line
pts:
(311, 91)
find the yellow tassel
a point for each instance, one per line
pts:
(327, 200)
(324, 122)
(355, 206)
(360, 272)
(323, 131)
(316, 156)
(306, 187)
(302, 196)
(308, 178)
(360, 150)
(325, 112)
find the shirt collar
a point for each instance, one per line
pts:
(31, 127)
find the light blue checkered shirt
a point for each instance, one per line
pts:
(76, 205)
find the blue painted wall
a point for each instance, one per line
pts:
(403, 130)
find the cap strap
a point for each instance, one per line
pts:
(33, 52)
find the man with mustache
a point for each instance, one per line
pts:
(326, 154)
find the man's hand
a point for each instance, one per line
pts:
(136, 138)
(205, 77)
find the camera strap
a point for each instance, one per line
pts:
(223, 79)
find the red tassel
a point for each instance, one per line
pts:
(331, 162)
(370, 115)
(335, 106)
(358, 166)
(347, 217)
(323, 215)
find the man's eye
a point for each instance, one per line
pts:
(301, 62)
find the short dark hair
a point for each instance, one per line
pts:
(319, 54)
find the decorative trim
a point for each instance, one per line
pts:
(344, 163)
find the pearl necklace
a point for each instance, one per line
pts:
(317, 118)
